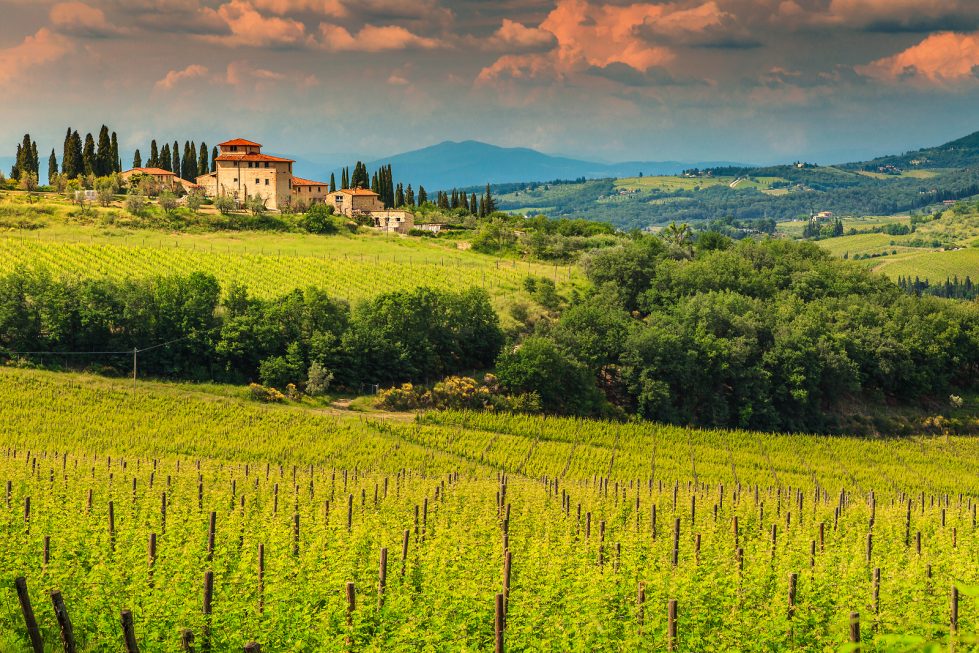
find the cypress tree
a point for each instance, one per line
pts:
(175, 153)
(409, 196)
(165, 161)
(473, 204)
(333, 183)
(75, 157)
(399, 196)
(90, 161)
(464, 201)
(345, 178)
(190, 161)
(137, 159)
(103, 158)
(214, 158)
(66, 153)
(454, 202)
(490, 203)
(374, 186)
(422, 195)
(202, 167)
(52, 165)
(154, 160)
(18, 159)
(35, 159)
(389, 185)
(116, 161)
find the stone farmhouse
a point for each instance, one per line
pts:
(166, 179)
(243, 171)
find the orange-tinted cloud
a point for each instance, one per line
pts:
(515, 37)
(174, 77)
(249, 27)
(594, 35)
(42, 47)
(372, 38)
(81, 19)
(947, 57)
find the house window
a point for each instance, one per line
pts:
(266, 182)
(257, 182)
(236, 180)
(266, 164)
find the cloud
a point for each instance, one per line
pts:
(628, 76)
(882, 15)
(174, 77)
(944, 58)
(80, 19)
(373, 38)
(589, 36)
(706, 25)
(44, 46)
(522, 67)
(245, 76)
(248, 27)
(334, 8)
(514, 37)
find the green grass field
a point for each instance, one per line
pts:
(305, 503)
(671, 183)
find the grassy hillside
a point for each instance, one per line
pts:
(52, 234)
(938, 249)
(587, 518)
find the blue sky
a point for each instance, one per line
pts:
(746, 80)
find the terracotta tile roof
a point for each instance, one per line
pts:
(359, 191)
(241, 156)
(240, 141)
(299, 181)
(152, 171)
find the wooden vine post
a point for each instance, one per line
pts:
(128, 632)
(671, 616)
(33, 633)
(64, 622)
(499, 623)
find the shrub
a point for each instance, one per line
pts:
(318, 380)
(168, 202)
(135, 202)
(265, 394)
(195, 200)
(319, 220)
(224, 204)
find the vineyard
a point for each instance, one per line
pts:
(180, 518)
(271, 273)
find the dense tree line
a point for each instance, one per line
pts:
(415, 335)
(191, 164)
(773, 335)
(952, 288)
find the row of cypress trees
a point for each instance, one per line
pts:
(191, 164)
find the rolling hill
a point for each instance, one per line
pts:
(453, 164)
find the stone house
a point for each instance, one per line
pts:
(351, 201)
(393, 220)
(166, 179)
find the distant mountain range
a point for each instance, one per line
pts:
(453, 164)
